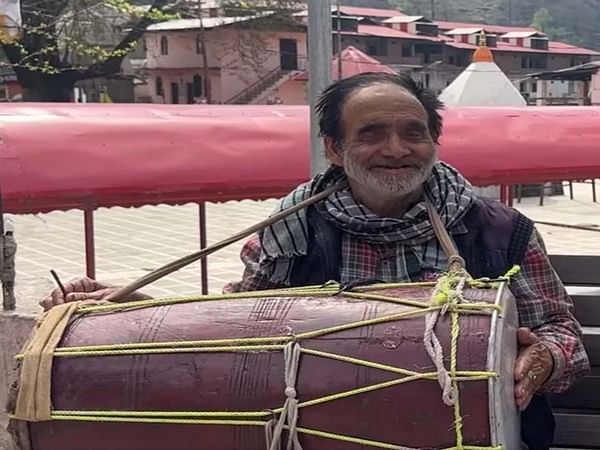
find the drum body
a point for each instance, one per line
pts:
(152, 401)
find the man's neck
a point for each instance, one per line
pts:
(386, 205)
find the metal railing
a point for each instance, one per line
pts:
(271, 76)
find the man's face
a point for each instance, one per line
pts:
(386, 144)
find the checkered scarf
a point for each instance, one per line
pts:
(449, 192)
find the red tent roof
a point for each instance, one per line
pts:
(353, 62)
(61, 156)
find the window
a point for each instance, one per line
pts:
(164, 45)
(407, 51)
(377, 47)
(451, 60)
(534, 86)
(523, 86)
(159, 86)
(197, 85)
(427, 80)
(199, 45)
(539, 43)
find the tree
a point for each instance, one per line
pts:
(62, 42)
(542, 20)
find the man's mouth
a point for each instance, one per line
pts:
(393, 166)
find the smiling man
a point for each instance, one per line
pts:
(381, 133)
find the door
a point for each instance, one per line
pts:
(288, 51)
(175, 93)
(190, 93)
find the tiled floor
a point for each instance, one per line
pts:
(131, 242)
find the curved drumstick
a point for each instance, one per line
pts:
(157, 274)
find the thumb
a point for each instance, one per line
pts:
(526, 337)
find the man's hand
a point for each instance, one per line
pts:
(533, 367)
(83, 289)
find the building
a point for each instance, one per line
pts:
(583, 85)
(251, 58)
(243, 55)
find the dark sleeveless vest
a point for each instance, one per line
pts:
(496, 240)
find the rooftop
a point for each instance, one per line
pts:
(207, 22)
(500, 29)
(403, 19)
(522, 34)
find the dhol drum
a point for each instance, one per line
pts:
(404, 366)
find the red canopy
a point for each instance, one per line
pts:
(60, 156)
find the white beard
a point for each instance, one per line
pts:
(400, 184)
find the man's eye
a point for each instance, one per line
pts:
(415, 135)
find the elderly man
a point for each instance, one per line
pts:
(380, 133)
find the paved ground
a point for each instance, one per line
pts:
(131, 242)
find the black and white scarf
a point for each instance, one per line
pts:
(451, 194)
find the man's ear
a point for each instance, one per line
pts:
(333, 152)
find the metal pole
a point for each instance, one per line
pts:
(339, 40)
(319, 70)
(90, 247)
(432, 9)
(207, 87)
(203, 244)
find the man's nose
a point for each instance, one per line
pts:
(395, 147)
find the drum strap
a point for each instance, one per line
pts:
(33, 401)
(455, 261)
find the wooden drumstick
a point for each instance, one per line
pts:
(159, 273)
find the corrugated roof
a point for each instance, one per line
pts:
(553, 48)
(375, 30)
(207, 22)
(445, 25)
(403, 19)
(369, 12)
(521, 34)
(464, 31)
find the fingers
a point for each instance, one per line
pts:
(96, 295)
(524, 391)
(526, 337)
(77, 289)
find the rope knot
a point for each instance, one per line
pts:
(290, 392)
(288, 418)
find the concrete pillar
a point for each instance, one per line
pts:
(16, 328)
(542, 92)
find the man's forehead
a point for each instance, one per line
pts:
(382, 99)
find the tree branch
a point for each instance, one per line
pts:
(112, 65)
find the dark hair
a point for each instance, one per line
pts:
(333, 99)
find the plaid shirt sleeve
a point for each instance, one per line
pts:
(257, 273)
(546, 308)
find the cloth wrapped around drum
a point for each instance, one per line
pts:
(404, 366)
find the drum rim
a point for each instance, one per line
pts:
(500, 434)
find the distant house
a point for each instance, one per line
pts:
(260, 58)
(246, 55)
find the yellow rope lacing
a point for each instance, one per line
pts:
(445, 299)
